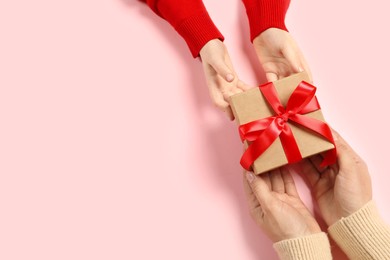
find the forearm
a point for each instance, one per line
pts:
(190, 19)
(264, 14)
(363, 235)
(315, 246)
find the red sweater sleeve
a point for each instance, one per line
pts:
(190, 19)
(264, 14)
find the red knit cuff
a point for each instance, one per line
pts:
(264, 14)
(197, 31)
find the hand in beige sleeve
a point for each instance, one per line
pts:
(344, 195)
(221, 78)
(276, 207)
(342, 188)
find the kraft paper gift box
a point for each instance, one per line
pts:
(251, 105)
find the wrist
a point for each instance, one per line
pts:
(353, 207)
(307, 231)
(344, 211)
(213, 43)
(270, 34)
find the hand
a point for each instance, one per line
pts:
(342, 188)
(279, 54)
(221, 78)
(275, 205)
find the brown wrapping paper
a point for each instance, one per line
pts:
(251, 105)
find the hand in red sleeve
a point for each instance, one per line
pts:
(221, 78)
(279, 54)
(276, 207)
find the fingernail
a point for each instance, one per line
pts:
(250, 177)
(300, 69)
(229, 77)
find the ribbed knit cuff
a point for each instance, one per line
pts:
(264, 14)
(314, 246)
(197, 31)
(363, 235)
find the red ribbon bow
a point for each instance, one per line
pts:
(263, 132)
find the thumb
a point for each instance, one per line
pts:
(243, 86)
(346, 155)
(293, 58)
(260, 189)
(223, 70)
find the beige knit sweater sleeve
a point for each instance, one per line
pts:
(363, 235)
(311, 247)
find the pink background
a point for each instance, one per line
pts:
(110, 147)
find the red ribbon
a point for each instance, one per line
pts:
(263, 132)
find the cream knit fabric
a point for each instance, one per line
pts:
(362, 235)
(313, 247)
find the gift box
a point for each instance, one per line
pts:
(280, 123)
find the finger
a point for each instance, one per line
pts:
(243, 86)
(306, 67)
(316, 160)
(223, 70)
(309, 171)
(216, 95)
(251, 198)
(341, 144)
(259, 188)
(219, 84)
(271, 76)
(266, 177)
(228, 90)
(293, 59)
(329, 175)
(229, 113)
(289, 184)
(277, 181)
(220, 102)
(347, 157)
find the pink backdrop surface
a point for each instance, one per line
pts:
(111, 149)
